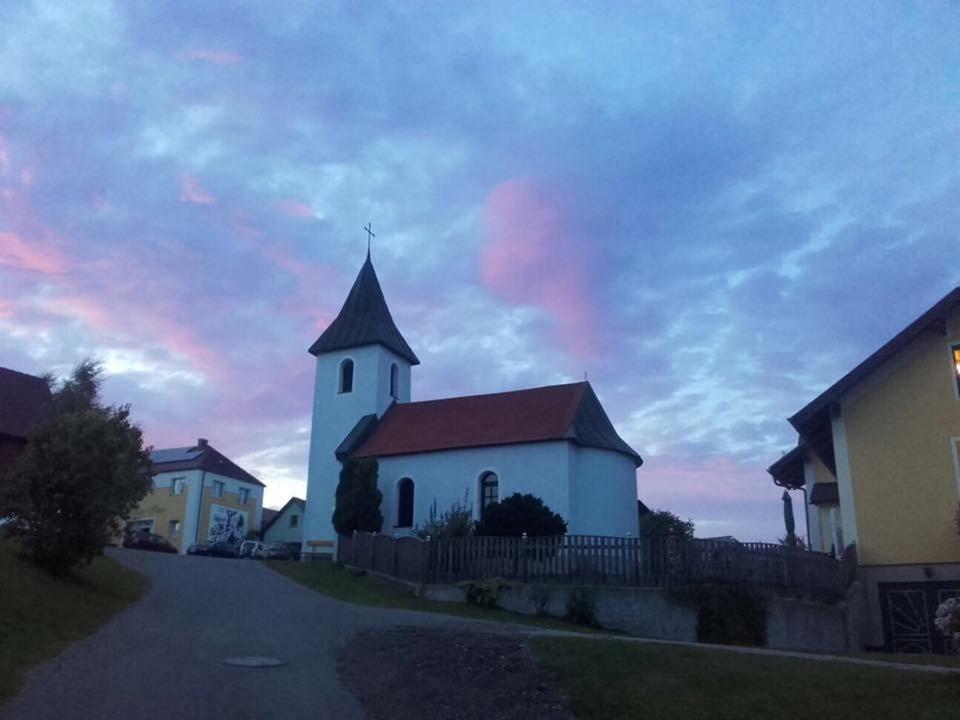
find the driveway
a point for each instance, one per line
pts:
(162, 657)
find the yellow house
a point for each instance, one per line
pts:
(199, 495)
(879, 463)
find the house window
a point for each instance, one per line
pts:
(489, 490)
(218, 488)
(346, 376)
(173, 528)
(394, 381)
(956, 366)
(176, 486)
(244, 493)
(294, 520)
(405, 503)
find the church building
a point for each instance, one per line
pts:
(554, 442)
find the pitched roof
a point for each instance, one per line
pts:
(267, 516)
(788, 470)
(559, 412)
(202, 456)
(24, 402)
(364, 319)
(266, 524)
(932, 318)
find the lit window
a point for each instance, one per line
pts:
(346, 376)
(405, 503)
(244, 494)
(173, 528)
(394, 381)
(218, 488)
(294, 520)
(176, 486)
(489, 490)
(956, 365)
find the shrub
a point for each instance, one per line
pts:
(519, 514)
(581, 607)
(358, 498)
(82, 472)
(485, 592)
(728, 613)
(947, 621)
(664, 522)
(456, 521)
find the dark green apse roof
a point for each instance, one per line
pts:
(364, 319)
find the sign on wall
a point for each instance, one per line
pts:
(227, 525)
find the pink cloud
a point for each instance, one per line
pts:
(295, 208)
(215, 57)
(530, 257)
(17, 253)
(192, 192)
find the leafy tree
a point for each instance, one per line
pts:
(358, 498)
(518, 514)
(457, 521)
(664, 522)
(82, 472)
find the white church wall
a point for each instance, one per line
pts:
(335, 414)
(541, 469)
(603, 493)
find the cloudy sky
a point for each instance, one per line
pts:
(713, 210)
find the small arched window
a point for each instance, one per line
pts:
(346, 376)
(489, 490)
(394, 381)
(405, 503)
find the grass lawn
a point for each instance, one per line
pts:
(615, 680)
(40, 615)
(342, 584)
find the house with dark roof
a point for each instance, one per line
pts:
(878, 460)
(199, 495)
(25, 401)
(286, 524)
(555, 442)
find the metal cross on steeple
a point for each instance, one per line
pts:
(370, 235)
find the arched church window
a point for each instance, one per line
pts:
(405, 503)
(346, 376)
(489, 490)
(394, 381)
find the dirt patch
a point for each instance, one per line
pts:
(439, 674)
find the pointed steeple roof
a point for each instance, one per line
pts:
(364, 319)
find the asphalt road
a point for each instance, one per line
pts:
(161, 658)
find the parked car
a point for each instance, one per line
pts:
(149, 541)
(252, 549)
(223, 549)
(282, 551)
(198, 549)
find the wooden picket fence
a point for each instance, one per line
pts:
(590, 559)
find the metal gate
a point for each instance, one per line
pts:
(908, 612)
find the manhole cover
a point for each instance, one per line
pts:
(254, 661)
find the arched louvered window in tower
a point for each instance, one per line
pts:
(346, 376)
(394, 381)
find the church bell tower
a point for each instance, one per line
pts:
(362, 366)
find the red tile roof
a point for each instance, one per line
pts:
(24, 402)
(559, 412)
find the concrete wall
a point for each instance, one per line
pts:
(900, 430)
(335, 414)
(654, 613)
